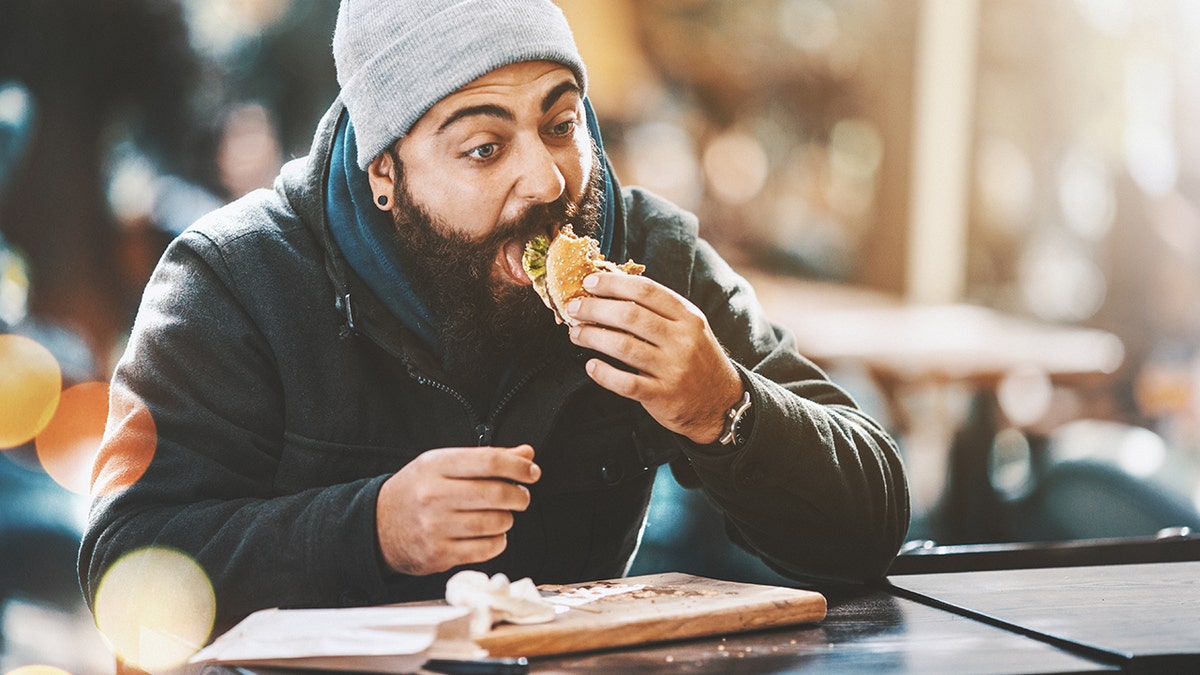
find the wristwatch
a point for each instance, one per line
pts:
(733, 421)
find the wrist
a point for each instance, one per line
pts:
(718, 420)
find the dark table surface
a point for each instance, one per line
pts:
(868, 632)
(1147, 614)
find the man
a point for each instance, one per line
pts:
(356, 393)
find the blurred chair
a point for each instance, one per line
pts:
(1102, 479)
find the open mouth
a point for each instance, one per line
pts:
(510, 262)
(510, 257)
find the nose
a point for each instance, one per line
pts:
(540, 180)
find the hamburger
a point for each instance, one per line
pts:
(557, 268)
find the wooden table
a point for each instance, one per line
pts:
(866, 631)
(871, 631)
(1147, 616)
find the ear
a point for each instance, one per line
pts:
(381, 174)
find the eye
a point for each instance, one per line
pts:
(563, 128)
(485, 151)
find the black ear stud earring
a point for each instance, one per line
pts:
(382, 199)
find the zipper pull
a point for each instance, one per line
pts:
(348, 328)
(484, 433)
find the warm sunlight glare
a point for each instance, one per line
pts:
(30, 381)
(38, 670)
(68, 445)
(155, 607)
(128, 445)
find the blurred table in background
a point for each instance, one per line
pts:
(902, 342)
(951, 377)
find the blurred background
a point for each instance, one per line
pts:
(982, 217)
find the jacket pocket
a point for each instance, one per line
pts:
(306, 463)
(593, 452)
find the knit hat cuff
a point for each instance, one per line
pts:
(394, 88)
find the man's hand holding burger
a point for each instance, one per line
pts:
(681, 374)
(683, 377)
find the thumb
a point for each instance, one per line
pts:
(524, 450)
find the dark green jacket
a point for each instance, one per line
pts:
(280, 407)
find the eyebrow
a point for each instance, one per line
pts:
(488, 110)
(557, 92)
(500, 112)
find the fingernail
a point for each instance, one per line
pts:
(590, 281)
(574, 333)
(573, 306)
(535, 472)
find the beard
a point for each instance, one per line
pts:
(485, 323)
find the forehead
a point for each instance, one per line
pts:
(518, 83)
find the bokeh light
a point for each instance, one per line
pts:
(14, 287)
(855, 153)
(219, 27)
(1142, 452)
(736, 166)
(810, 25)
(155, 608)
(128, 446)
(38, 670)
(1059, 280)
(1010, 464)
(1151, 155)
(663, 158)
(1085, 194)
(30, 385)
(67, 446)
(1005, 184)
(1025, 394)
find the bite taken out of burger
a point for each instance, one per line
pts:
(557, 268)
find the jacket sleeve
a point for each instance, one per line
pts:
(196, 404)
(818, 490)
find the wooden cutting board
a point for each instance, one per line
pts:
(656, 607)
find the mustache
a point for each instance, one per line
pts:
(537, 219)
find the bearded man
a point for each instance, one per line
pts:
(355, 392)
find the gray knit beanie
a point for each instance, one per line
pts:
(396, 58)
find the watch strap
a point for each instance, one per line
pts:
(733, 418)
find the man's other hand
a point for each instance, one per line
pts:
(452, 506)
(682, 377)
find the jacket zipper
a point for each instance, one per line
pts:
(483, 429)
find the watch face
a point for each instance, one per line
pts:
(731, 434)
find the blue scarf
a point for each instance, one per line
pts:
(366, 238)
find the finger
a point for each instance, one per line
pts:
(476, 524)
(641, 290)
(488, 462)
(624, 315)
(490, 494)
(524, 450)
(626, 348)
(623, 383)
(471, 550)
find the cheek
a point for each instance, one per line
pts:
(578, 171)
(462, 206)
